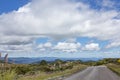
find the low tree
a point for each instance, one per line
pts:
(118, 61)
(43, 63)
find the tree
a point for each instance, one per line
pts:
(43, 62)
(118, 60)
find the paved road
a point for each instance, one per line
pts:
(95, 73)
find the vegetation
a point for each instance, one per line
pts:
(54, 74)
(50, 70)
(8, 75)
(5, 72)
(112, 63)
(114, 67)
(102, 62)
(38, 71)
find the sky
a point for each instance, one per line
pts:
(60, 28)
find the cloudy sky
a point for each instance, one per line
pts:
(60, 28)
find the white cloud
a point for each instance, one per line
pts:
(113, 44)
(108, 3)
(67, 47)
(14, 48)
(58, 19)
(48, 44)
(91, 47)
(45, 45)
(53, 18)
(16, 40)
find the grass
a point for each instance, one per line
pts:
(50, 71)
(45, 76)
(12, 73)
(8, 75)
(39, 71)
(114, 67)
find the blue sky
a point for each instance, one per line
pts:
(65, 28)
(7, 6)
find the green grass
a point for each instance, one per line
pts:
(114, 67)
(8, 75)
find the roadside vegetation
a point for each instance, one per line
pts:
(44, 70)
(112, 63)
(115, 66)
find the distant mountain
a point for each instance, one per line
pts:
(24, 60)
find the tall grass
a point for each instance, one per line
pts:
(5, 72)
(8, 75)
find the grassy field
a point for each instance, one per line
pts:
(44, 70)
(114, 67)
(40, 71)
(8, 75)
(45, 76)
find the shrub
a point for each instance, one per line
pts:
(22, 70)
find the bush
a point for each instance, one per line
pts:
(45, 68)
(22, 70)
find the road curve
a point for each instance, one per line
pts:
(94, 73)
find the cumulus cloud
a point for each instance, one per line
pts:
(91, 47)
(108, 3)
(18, 48)
(45, 45)
(16, 40)
(58, 19)
(113, 44)
(66, 18)
(60, 46)
(16, 43)
(48, 44)
(68, 47)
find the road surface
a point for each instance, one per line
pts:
(95, 73)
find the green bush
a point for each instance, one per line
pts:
(23, 70)
(45, 68)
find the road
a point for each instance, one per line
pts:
(94, 73)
